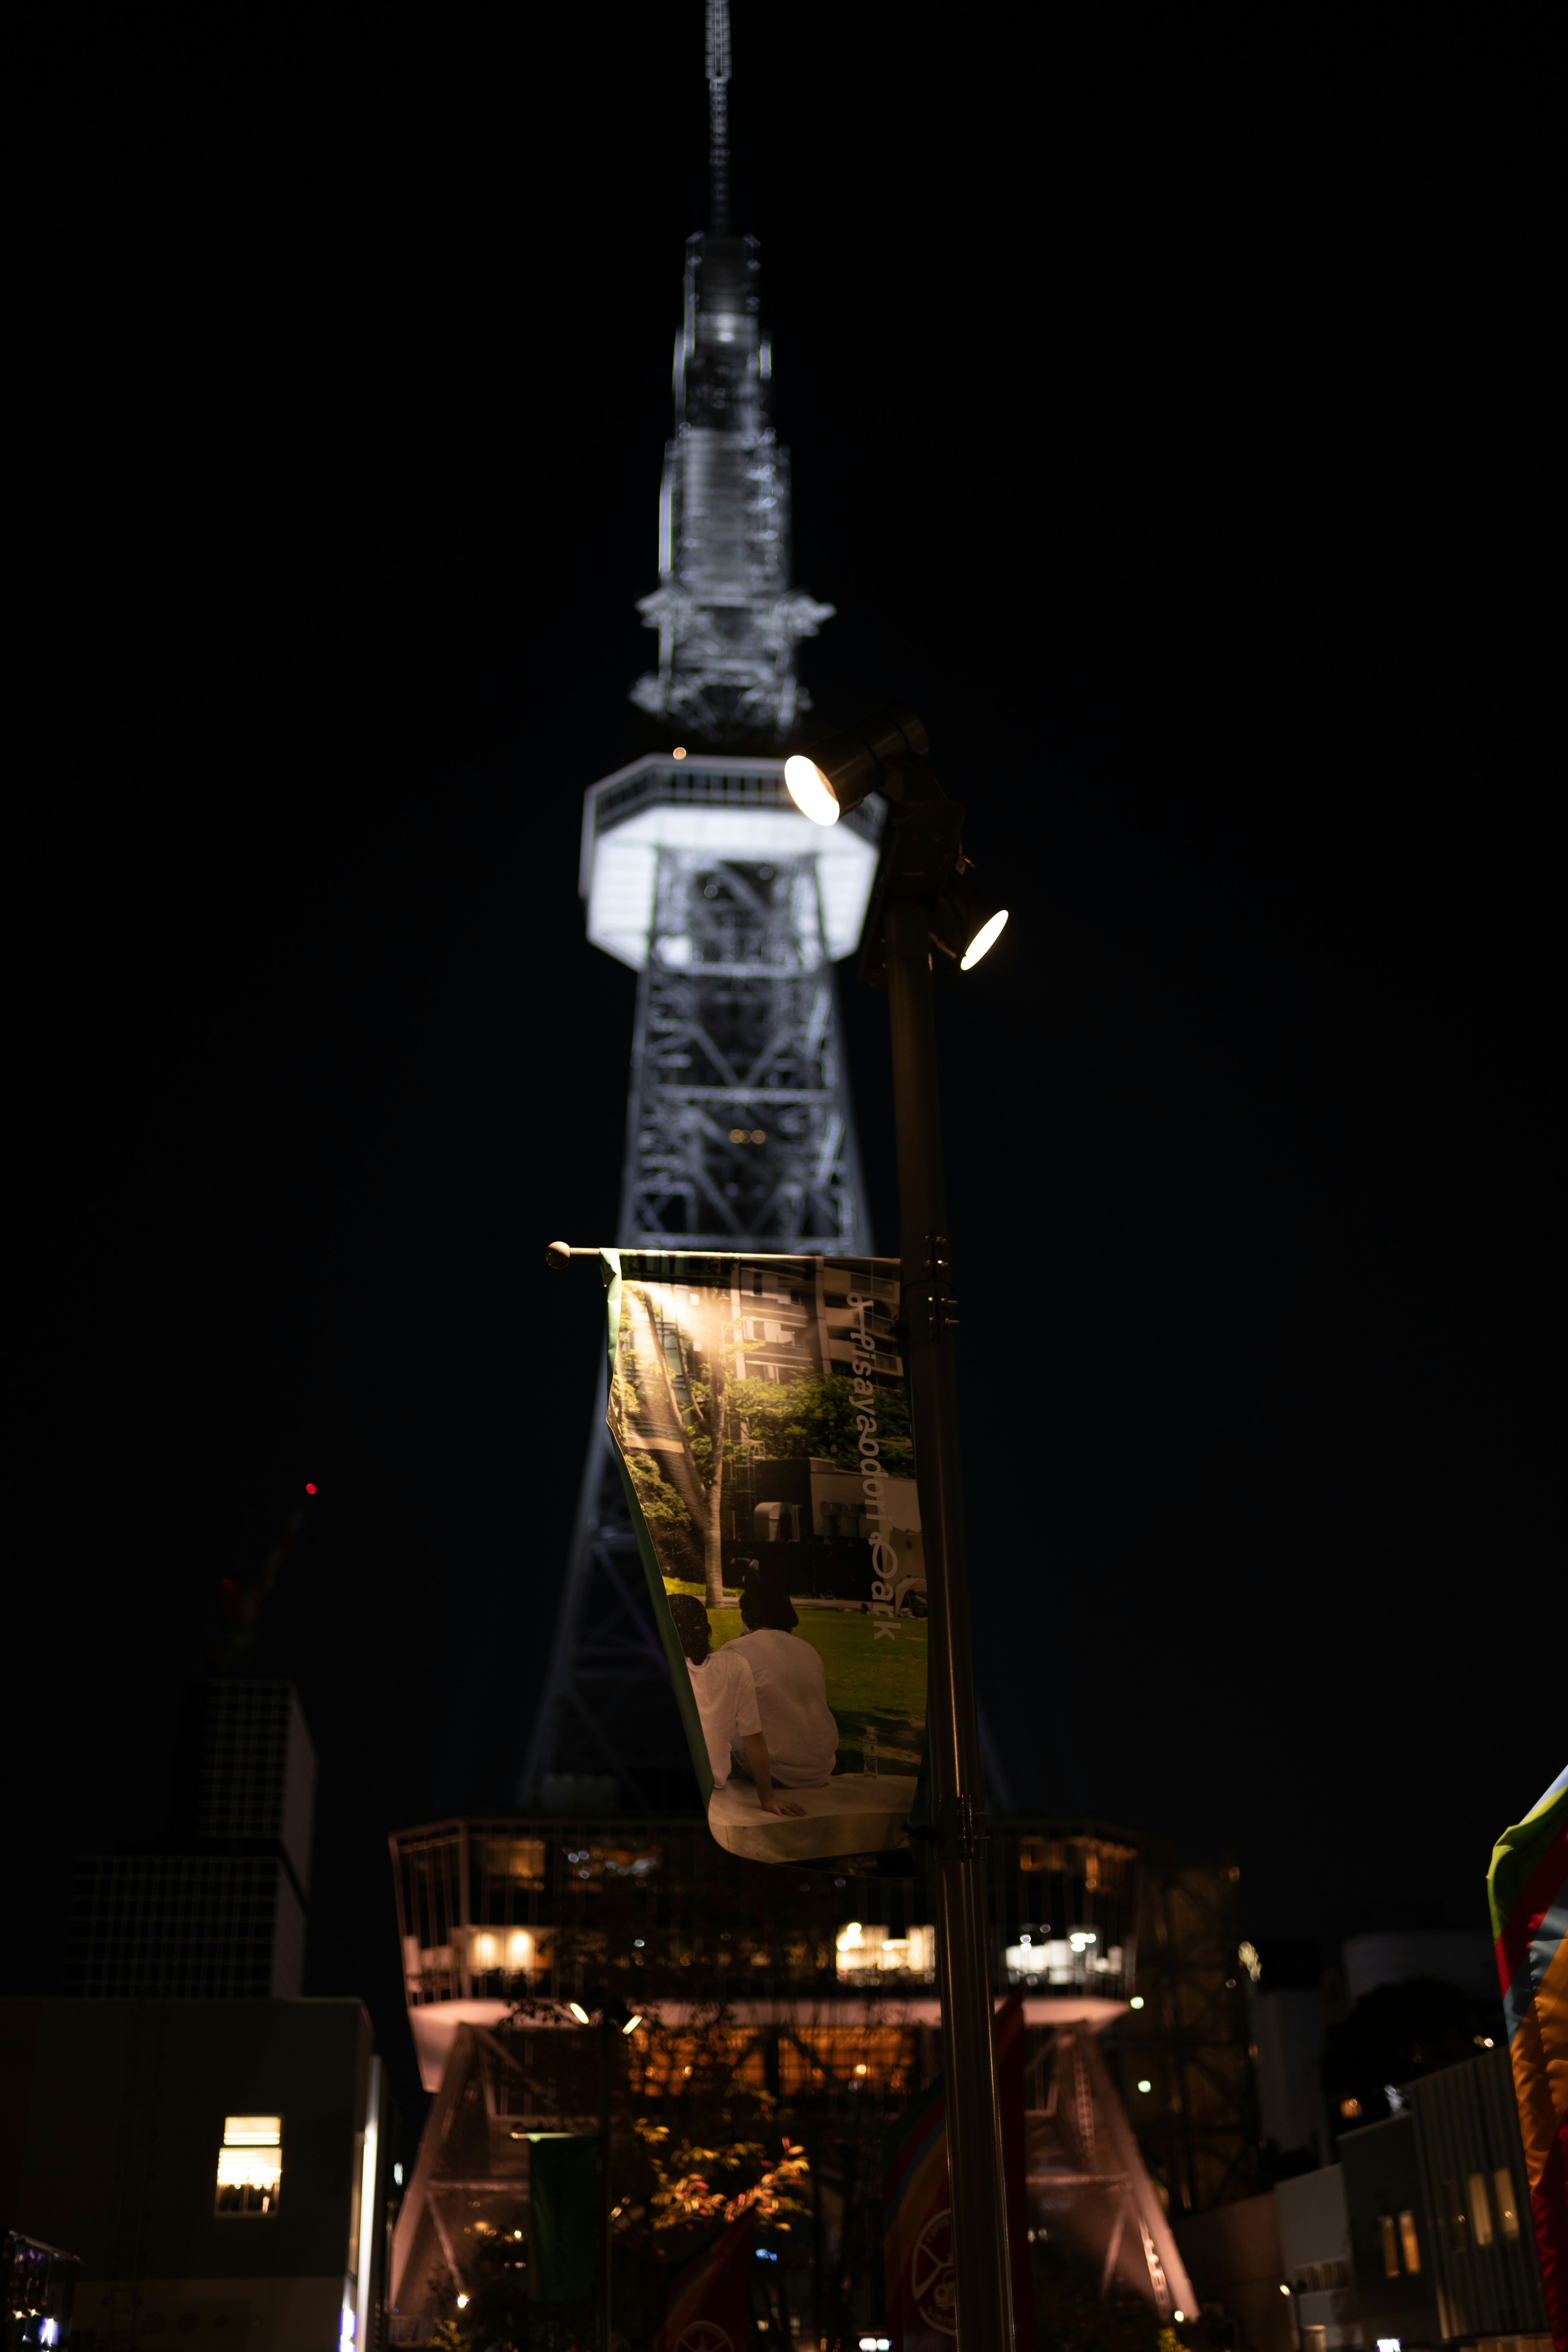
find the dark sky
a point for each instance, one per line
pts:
(1168, 405)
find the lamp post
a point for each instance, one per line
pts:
(613, 2019)
(921, 907)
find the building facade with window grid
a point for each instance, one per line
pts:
(185, 1926)
(255, 1776)
(223, 1917)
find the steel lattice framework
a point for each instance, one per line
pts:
(739, 1127)
(700, 874)
(740, 1135)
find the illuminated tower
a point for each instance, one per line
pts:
(727, 617)
(699, 871)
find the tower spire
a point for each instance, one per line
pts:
(719, 115)
(727, 615)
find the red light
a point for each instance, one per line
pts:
(308, 1488)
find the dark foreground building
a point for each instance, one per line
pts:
(220, 2166)
(216, 2150)
(1419, 2239)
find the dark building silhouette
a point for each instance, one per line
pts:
(219, 1911)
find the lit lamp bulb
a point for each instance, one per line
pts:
(810, 791)
(985, 937)
(966, 924)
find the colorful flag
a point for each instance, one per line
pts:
(705, 2308)
(1527, 1886)
(763, 1429)
(917, 2228)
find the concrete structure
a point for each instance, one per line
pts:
(1315, 2249)
(210, 2161)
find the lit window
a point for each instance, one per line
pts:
(1480, 2208)
(250, 2164)
(1506, 2210)
(1390, 2245)
(869, 1949)
(1410, 2242)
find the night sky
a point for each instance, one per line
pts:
(1168, 409)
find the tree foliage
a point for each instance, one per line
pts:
(820, 1417)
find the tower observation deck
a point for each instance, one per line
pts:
(699, 872)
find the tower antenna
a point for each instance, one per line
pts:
(719, 114)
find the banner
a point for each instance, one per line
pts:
(705, 2310)
(758, 1409)
(1527, 1888)
(562, 2216)
(917, 2222)
(917, 2228)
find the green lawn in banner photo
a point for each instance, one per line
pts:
(868, 1681)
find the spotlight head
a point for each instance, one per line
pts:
(836, 775)
(579, 2012)
(966, 923)
(810, 791)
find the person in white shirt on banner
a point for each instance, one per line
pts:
(790, 1683)
(726, 1703)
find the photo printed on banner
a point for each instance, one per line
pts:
(759, 1410)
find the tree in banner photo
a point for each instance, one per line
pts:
(759, 1410)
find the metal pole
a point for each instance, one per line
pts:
(973, 2122)
(602, 2328)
